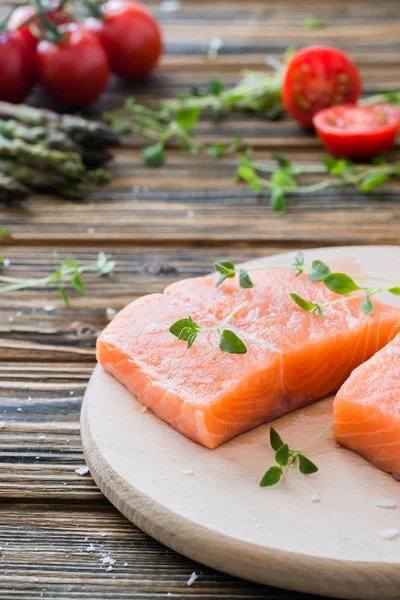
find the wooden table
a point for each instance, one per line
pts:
(159, 225)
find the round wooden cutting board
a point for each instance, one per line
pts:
(315, 534)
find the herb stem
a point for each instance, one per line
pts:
(308, 444)
(226, 320)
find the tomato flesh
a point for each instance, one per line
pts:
(130, 36)
(358, 131)
(318, 77)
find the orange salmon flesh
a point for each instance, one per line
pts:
(367, 410)
(293, 357)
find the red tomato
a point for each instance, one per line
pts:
(317, 77)
(358, 131)
(16, 76)
(23, 14)
(130, 36)
(75, 70)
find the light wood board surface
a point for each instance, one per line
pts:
(219, 516)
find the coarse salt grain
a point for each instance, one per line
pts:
(315, 497)
(82, 470)
(145, 409)
(110, 568)
(111, 312)
(49, 308)
(6, 262)
(90, 548)
(91, 230)
(107, 560)
(188, 471)
(192, 578)
(388, 534)
(2, 424)
(385, 503)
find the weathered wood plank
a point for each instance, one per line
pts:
(59, 549)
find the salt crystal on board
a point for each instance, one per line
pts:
(2, 424)
(49, 307)
(91, 230)
(6, 262)
(315, 497)
(90, 548)
(388, 534)
(385, 503)
(82, 470)
(188, 471)
(111, 312)
(145, 409)
(107, 560)
(110, 568)
(192, 578)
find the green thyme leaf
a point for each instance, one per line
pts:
(271, 477)
(373, 181)
(340, 283)
(281, 160)
(64, 296)
(227, 270)
(187, 117)
(306, 466)
(275, 439)
(215, 86)
(319, 270)
(104, 265)
(5, 232)
(312, 307)
(311, 22)
(366, 306)
(278, 200)
(181, 325)
(394, 290)
(153, 156)
(77, 283)
(244, 279)
(191, 338)
(298, 263)
(282, 455)
(231, 343)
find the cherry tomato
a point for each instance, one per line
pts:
(317, 77)
(358, 131)
(16, 75)
(75, 70)
(23, 14)
(130, 36)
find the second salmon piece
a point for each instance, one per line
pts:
(293, 357)
(367, 410)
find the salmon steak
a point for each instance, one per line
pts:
(367, 410)
(293, 357)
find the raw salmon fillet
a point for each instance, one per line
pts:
(293, 357)
(367, 410)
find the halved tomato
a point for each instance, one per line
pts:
(358, 131)
(317, 77)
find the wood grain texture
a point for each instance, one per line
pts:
(160, 225)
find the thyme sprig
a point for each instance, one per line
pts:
(186, 329)
(285, 457)
(340, 283)
(67, 274)
(284, 177)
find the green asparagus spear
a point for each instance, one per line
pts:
(31, 177)
(10, 189)
(64, 163)
(90, 134)
(48, 136)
